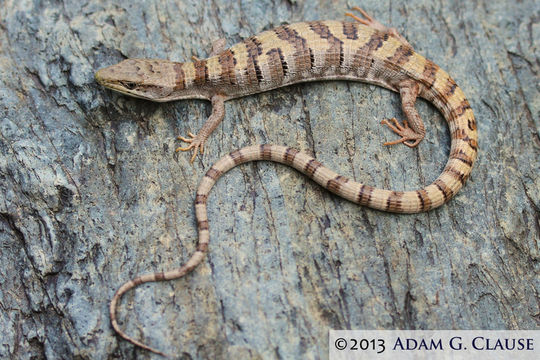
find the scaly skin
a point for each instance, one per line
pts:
(319, 50)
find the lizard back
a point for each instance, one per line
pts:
(300, 52)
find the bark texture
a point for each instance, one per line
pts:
(93, 194)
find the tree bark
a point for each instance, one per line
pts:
(92, 193)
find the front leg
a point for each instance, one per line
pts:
(196, 142)
(412, 131)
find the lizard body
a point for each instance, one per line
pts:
(308, 51)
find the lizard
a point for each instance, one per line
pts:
(360, 50)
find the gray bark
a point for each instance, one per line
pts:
(93, 194)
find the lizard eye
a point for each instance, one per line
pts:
(129, 85)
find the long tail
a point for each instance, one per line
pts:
(440, 191)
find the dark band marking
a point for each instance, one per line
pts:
(334, 185)
(456, 174)
(334, 54)
(401, 56)
(311, 168)
(425, 201)
(459, 134)
(284, 66)
(393, 203)
(180, 79)
(446, 191)
(462, 135)
(290, 154)
(202, 247)
(452, 86)
(228, 62)
(237, 157)
(160, 276)
(472, 143)
(311, 58)
(213, 173)
(301, 55)
(471, 123)
(461, 156)
(364, 195)
(201, 72)
(459, 110)
(200, 199)
(428, 75)
(350, 30)
(202, 224)
(276, 63)
(363, 58)
(266, 151)
(254, 50)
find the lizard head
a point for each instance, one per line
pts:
(156, 80)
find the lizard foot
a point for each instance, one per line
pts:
(196, 144)
(406, 133)
(371, 22)
(368, 20)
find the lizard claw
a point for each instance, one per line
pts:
(373, 23)
(186, 139)
(406, 133)
(367, 20)
(196, 144)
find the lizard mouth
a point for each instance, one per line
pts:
(125, 87)
(114, 79)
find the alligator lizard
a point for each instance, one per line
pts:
(363, 50)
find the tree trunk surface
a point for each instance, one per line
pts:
(93, 193)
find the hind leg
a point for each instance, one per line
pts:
(371, 22)
(412, 131)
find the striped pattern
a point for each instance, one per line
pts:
(307, 51)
